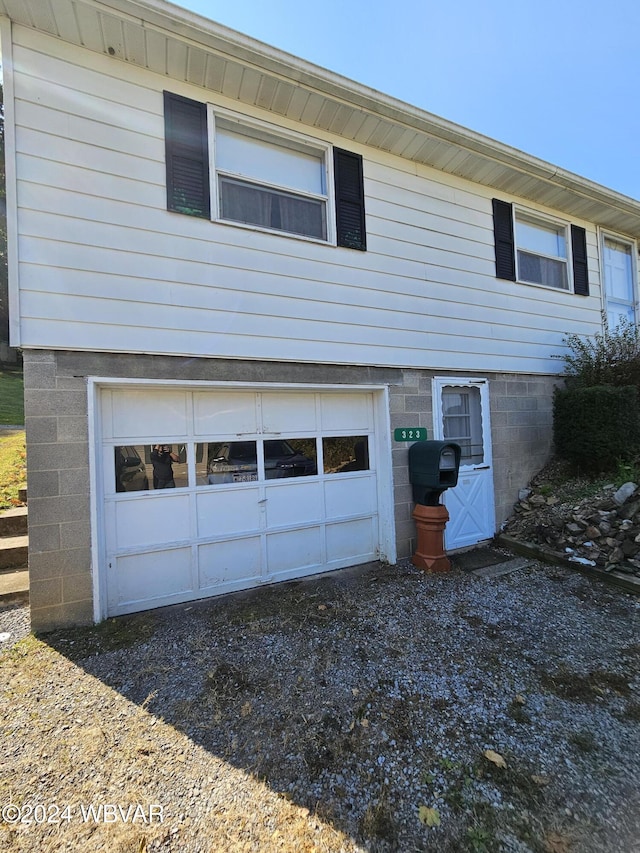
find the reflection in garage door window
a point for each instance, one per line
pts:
(221, 462)
(345, 453)
(146, 467)
(228, 462)
(291, 457)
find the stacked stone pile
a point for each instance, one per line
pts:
(602, 530)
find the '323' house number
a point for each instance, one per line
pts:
(410, 434)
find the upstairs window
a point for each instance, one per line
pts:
(538, 250)
(541, 251)
(261, 176)
(270, 182)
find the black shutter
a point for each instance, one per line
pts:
(187, 155)
(503, 238)
(349, 185)
(579, 254)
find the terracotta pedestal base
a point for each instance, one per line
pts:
(430, 522)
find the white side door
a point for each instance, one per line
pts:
(461, 414)
(619, 284)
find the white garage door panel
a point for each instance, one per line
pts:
(288, 413)
(152, 522)
(350, 496)
(300, 549)
(351, 539)
(139, 413)
(206, 539)
(293, 503)
(223, 563)
(140, 577)
(342, 412)
(228, 413)
(227, 511)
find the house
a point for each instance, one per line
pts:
(222, 250)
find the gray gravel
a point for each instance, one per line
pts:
(371, 699)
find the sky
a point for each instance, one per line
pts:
(558, 79)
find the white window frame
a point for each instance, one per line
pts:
(633, 245)
(543, 219)
(273, 133)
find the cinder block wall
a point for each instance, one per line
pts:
(521, 432)
(58, 492)
(58, 450)
(521, 410)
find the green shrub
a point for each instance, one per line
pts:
(610, 357)
(596, 427)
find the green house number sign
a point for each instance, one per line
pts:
(410, 434)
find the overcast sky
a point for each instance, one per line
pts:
(558, 79)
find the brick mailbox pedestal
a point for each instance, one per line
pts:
(430, 522)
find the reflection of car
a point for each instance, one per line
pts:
(131, 474)
(236, 462)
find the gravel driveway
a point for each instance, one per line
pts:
(379, 709)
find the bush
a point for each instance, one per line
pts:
(596, 427)
(610, 357)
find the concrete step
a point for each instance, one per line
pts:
(14, 552)
(14, 587)
(13, 522)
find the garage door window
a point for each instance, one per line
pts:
(345, 453)
(220, 463)
(145, 467)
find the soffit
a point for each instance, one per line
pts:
(184, 46)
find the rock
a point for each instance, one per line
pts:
(629, 509)
(582, 560)
(596, 530)
(604, 515)
(537, 500)
(624, 493)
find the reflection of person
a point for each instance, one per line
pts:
(162, 458)
(119, 460)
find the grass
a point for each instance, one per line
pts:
(13, 458)
(11, 396)
(12, 442)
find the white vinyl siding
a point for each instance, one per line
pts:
(104, 266)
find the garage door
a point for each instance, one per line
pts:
(206, 492)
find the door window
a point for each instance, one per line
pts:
(462, 422)
(618, 281)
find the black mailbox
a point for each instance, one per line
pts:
(433, 468)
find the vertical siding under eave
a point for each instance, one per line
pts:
(104, 266)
